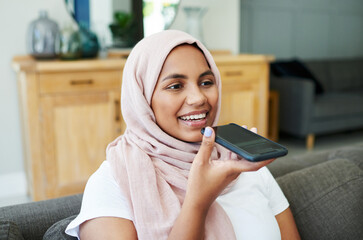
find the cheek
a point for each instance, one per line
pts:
(213, 99)
(164, 106)
(213, 102)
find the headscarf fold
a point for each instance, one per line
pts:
(150, 166)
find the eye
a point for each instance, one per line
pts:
(174, 86)
(207, 82)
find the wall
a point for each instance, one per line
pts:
(305, 28)
(15, 17)
(220, 23)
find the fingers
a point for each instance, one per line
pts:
(253, 129)
(243, 165)
(254, 166)
(261, 164)
(207, 145)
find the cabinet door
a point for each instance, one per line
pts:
(244, 95)
(75, 132)
(238, 107)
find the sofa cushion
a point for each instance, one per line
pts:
(56, 231)
(284, 165)
(9, 230)
(338, 74)
(326, 200)
(335, 104)
(320, 69)
(346, 74)
(34, 218)
(354, 153)
(295, 68)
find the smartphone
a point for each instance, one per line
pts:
(247, 144)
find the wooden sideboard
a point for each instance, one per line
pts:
(245, 90)
(71, 110)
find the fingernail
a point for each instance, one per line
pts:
(208, 132)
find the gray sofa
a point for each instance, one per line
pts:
(318, 96)
(325, 191)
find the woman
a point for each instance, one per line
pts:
(162, 178)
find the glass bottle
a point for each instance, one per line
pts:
(42, 37)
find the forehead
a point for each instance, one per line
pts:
(185, 55)
(187, 46)
(183, 48)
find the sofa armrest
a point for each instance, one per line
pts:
(33, 219)
(288, 164)
(326, 199)
(296, 103)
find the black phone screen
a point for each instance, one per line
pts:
(247, 144)
(246, 139)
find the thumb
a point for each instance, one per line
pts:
(207, 145)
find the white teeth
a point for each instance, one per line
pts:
(194, 117)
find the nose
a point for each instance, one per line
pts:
(196, 97)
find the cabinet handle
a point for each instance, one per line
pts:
(82, 82)
(234, 73)
(117, 111)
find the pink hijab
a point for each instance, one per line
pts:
(150, 166)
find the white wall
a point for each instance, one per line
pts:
(305, 28)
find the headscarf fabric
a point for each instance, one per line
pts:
(150, 166)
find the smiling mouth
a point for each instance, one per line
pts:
(195, 117)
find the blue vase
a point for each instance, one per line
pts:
(70, 46)
(89, 42)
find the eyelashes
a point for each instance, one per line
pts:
(180, 85)
(175, 86)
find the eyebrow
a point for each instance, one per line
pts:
(182, 76)
(208, 72)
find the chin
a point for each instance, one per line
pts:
(192, 139)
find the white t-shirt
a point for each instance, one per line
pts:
(251, 203)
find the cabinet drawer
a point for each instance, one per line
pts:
(233, 73)
(79, 81)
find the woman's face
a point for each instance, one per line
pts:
(186, 95)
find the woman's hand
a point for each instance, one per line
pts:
(208, 178)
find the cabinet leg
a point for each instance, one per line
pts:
(310, 141)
